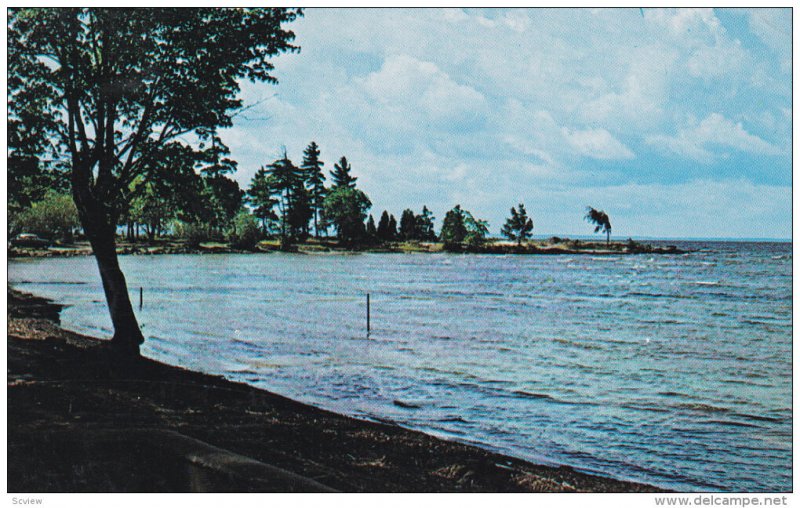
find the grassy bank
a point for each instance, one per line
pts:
(77, 422)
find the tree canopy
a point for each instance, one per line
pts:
(115, 88)
(600, 220)
(518, 227)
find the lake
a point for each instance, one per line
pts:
(673, 370)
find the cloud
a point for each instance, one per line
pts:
(597, 144)
(420, 88)
(560, 106)
(694, 142)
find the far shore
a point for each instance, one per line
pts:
(552, 246)
(78, 421)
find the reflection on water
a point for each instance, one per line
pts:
(673, 370)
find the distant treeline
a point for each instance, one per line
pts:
(283, 201)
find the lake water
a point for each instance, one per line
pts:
(671, 370)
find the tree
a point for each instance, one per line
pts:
(259, 195)
(477, 230)
(424, 225)
(245, 233)
(372, 232)
(383, 227)
(408, 225)
(392, 231)
(460, 227)
(601, 221)
(222, 200)
(285, 182)
(518, 227)
(54, 217)
(315, 180)
(124, 83)
(453, 228)
(340, 176)
(346, 208)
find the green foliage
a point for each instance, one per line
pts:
(383, 232)
(477, 230)
(460, 229)
(285, 185)
(340, 176)
(346, 208)
(315, 181)
(600, 220)
(245, 233)
(54, 217)
(518, 227)
(454, 231)
(260, 196)
(424, 225)
(222, 200)
(193, 233)
(408, 225)
(372, 231)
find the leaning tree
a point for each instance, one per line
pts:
(126, 85)
(600, 220)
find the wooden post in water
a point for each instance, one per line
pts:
(367, 314)
(141, 297)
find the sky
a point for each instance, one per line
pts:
(677, 123)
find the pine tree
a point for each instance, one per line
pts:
(261, 197)
(383, 227)
(408, 225)
(315, 181)
(518, 227)
(340, 176)
(392, 228)
(371, 229)
(424, 225)
(453, 229)
(287, 184)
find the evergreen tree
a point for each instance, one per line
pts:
(408, 225)
(518, 227)
(372, 232)
(287, 185)
(424, 225)
(261, 197)
(383, 227)
(315, 181)
(453, 228)
(392, 232)
(340, 176)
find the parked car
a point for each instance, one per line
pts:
(29, 240)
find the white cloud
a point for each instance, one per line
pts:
(420, 89)
(694, 141)
(597, 144)
(488, 107)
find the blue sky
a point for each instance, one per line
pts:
(675, 122)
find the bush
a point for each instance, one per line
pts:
(54, 217)
(193, 233)
(246, 233)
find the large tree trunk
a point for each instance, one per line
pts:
(100, 228)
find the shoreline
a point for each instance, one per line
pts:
(78, 424)
(554, 246)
